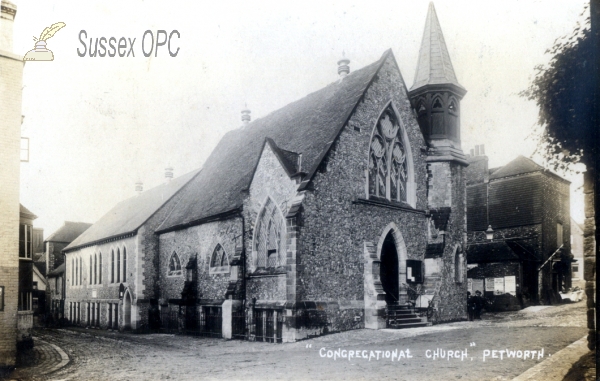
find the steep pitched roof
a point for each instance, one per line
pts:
(57, 271)
(518, 166)
(26, 212)
(308, 127)
(68, 232)
(434, 66)
(129, 215)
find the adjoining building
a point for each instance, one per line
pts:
(54, 265)
(26, 275)
(577, 250)
(518, 219)
(329, 214)
(10, 132)
(110, 269)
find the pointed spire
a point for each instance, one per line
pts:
(434, 66)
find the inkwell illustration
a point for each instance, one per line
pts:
(40, 53)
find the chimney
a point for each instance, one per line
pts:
(477, 150)
(9, 11)
(139, 187)
(245, 115)
(168, 174)
(343, 68)
(472, 152)
(481, 150)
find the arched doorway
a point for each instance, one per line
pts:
(388, 270)
(127, 311)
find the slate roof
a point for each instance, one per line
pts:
(57, 271)
(129, 215)
(434, 66)
(308, 127)
(500, 251)
(518, 166)
(26, 212)
(68, 232)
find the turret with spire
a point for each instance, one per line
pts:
(436, 93)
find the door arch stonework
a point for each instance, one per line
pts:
(374, 295)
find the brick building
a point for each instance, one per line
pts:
(577, 250)
(54, 264)
(26, 275)
(325, 215)
(10, 132)
(518, 216)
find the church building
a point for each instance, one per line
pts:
(332, 213)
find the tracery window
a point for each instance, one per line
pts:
(174, 265)
(388, 171)
(270, 237)
(219, 257)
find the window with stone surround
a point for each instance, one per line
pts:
(388, 160)
(174, 265)
(219, 262)
(270, 237)
(124, 264)
(118, 270)
(100, 268)
(112, 266)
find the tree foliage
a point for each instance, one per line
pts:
(564, 92)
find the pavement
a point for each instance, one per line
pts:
(47, 359)
(44, 359)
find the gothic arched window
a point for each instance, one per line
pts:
(100, 268)
(174, 265)
(269, 241)
(388, 170)
(219, 257)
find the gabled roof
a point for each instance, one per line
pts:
(500, 251)
(518, 166)
(434, 66)
(308, 127)
(57, 271)
(129, 215)
(26, 212)
(287, 159)
(68, 232)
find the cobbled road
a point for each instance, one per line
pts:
(101, 355)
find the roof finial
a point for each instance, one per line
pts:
(245, 114)
(343, 68)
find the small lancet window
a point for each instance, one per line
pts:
(174, 265)
(437, 103)
(452, 106)
(421, 109)
(219, 257)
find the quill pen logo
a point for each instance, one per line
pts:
(40, 52)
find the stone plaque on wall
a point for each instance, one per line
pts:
(470, 285)
(489, 284)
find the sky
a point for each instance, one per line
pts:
(97, 125)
